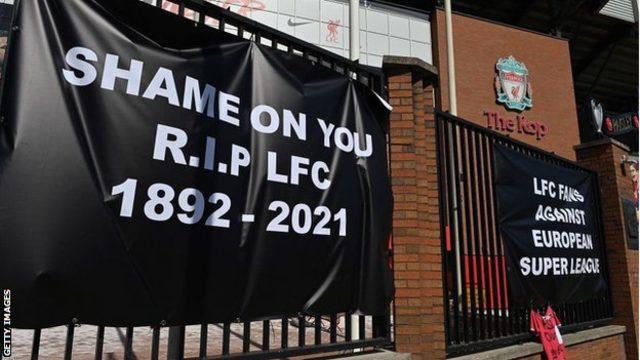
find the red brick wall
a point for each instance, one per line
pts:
(478, 44)
(419, 319)
(609, 348)
(606, 159)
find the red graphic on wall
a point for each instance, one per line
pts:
(609, 124)
(174, 8)
(332, 26)
(246, 6)
(520, 124)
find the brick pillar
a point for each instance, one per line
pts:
(419, 306)
(605, 157)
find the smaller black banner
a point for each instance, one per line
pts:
(547, 217)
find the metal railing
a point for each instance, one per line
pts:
(478, 312)
(208, 14)
(267, 339)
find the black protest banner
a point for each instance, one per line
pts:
(153, 170)
(547, 220)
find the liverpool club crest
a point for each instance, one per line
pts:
(512, 84)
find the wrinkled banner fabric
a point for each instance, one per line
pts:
(549, 226)
(153, 170)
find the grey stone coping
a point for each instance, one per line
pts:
(425, 69)
(377, 355)
(603, 141)
(531, 348)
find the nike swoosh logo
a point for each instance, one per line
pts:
(293, 23)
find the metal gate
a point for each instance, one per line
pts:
(478, 311)
(267, 339)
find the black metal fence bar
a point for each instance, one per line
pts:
(226, 338)
(479, 226)
(478, 311)
(265, 335)
(35, 347)
(284, 342)
(68, 347)
(246, 337)
(155, 343)
(301, 331)
(361, 328)
(333, 329)
(482, 249)
(317, 330)
(204, 332)
(441, 170)
(128, 347)
(463, 222)
(99, 343)
(470, 222)
(175, 346)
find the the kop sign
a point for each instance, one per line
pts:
(514, 91)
